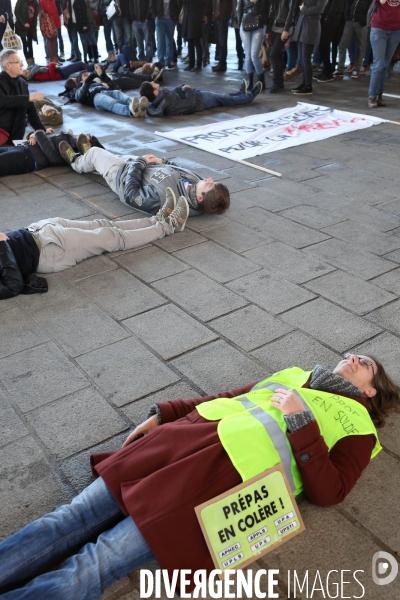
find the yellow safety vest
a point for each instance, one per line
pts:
(253, 432)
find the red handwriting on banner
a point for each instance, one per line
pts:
(320, 125)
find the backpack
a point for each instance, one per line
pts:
(50, 114)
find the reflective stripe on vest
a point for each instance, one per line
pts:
(254, 433)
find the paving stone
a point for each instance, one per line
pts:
(270, 292)
(395, 255)
(90, 267)
(349, 258)
(138, 411)
(81, 327)
(29, 487)
(296, 349)
(119, 293)
(279, 228)
(77, 468)
(205, 222)
(311, 216)
(71, 180)
(364, 236)
(186, 238)
(387, 317)
(331, 324)
(339, 549)
(168, 320)
(17, 183)
(216, 262)
(350, 292)
(237, 237)
(35, 377)
(373, 499)
(218, 367)
(250, 327)
(126, 371)
(386, 348)
(20, 331)
(198, 294)
(151, 264)
(378, 218)
(288, 262)
(75, 422)
(109, 204)
(389, 281)
(11, 426)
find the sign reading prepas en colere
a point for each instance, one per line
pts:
(250, 520)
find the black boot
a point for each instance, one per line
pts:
(95, 53)
(250, 77)
(261, 78)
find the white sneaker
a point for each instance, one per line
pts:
(179, 215)
(168, 206)
(134, 106)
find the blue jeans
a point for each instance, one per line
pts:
(107, 24)
(383, 44)
(122, 31)
(252, 41)
(43, 543)
(213, 99)
(165, 40)
(144, 43)
(113, 100)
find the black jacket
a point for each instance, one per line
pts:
(175, 7)
(282, 14)
(19, 258)
(141, 10)
(81, 14)
(357, 10)
(15, 107)
(21, 17)
(246, 7)
(179, 101)
(88, 90)
(333, 12)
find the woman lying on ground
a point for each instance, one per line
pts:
(37, 152)
(141, 505)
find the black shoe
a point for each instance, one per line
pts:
(298, 88)
(196, 69)
(305, 91)
(324, 77)
(188, 68)
(256, 89)
(219, 69)
(261, 79)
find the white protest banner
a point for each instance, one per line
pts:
(268, 132)
(250, 520)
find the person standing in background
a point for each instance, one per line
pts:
(6, 16)
(26, 14)
(49, 23)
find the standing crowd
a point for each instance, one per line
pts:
(308, 37)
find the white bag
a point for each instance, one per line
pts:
(10, 40)
(113, 10)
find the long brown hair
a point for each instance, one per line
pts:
(387, 398)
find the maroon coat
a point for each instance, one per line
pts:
(160, 478)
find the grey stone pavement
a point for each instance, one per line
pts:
(300, 270)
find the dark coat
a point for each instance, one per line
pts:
(186, 461)
(282, 13)
(126, 7)
(246, 7)
(193, 13)
(175, 7)
(179, 101)
(81, 14)
(308, 26)
(141, 10)
(15, 107)
(88, 90)
(357, 10)
(21, 17)
(333, 12)
(222, 10)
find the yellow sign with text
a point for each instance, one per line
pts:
(250, 519)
